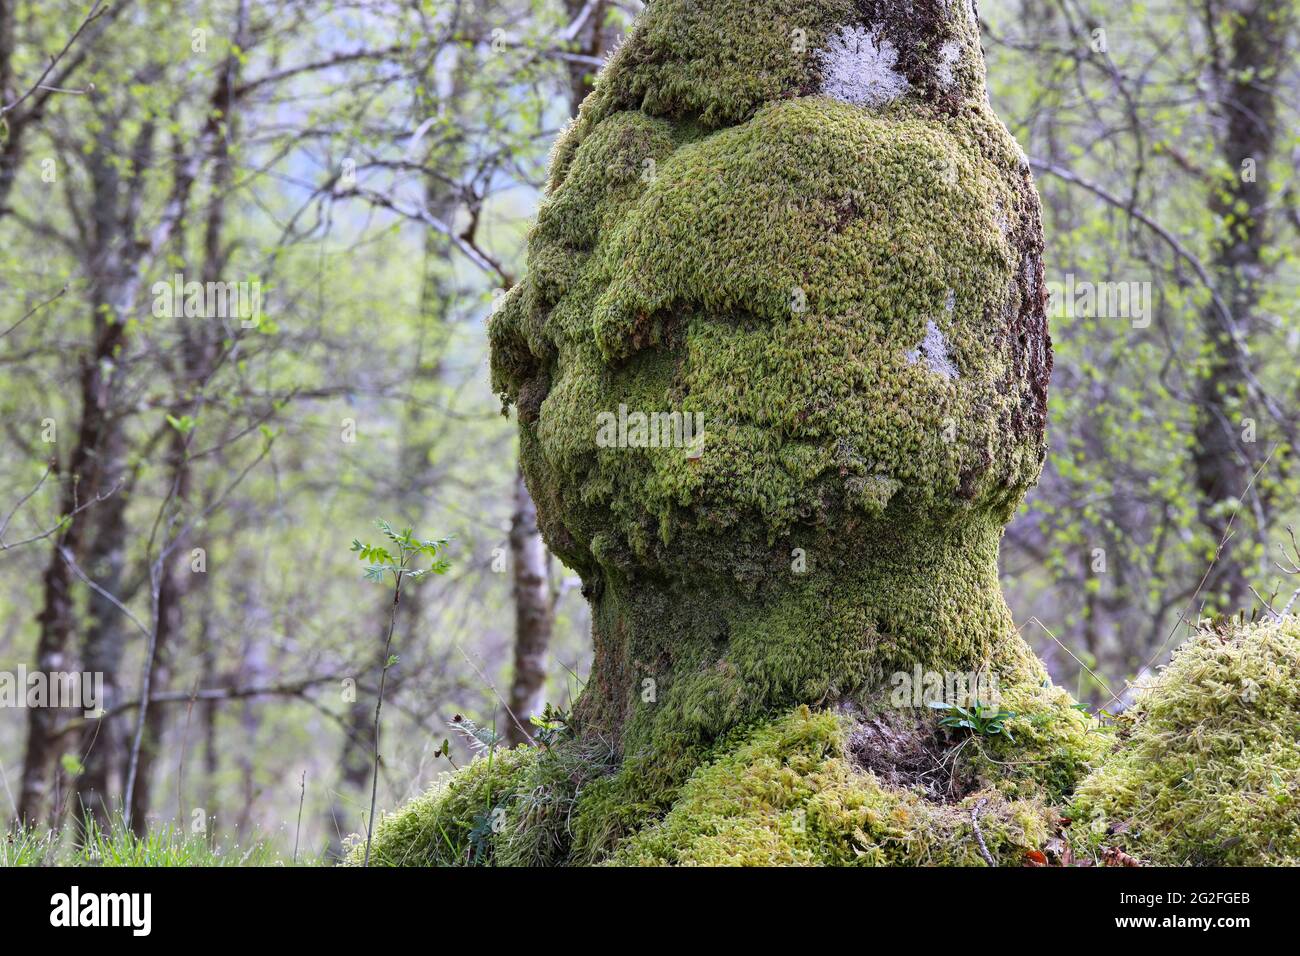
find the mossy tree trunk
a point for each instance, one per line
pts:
(780, 366)
(798, 227)
(813, 539)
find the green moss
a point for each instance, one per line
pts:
(823, 431)
(790, 794)
(717, 63)
(850, 297)
(798, 350)
(1207, 770)
(848, 289)
(455, 822)
(1055, 745)
(870, 784)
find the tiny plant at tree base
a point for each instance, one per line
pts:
(978, 719)
(552, 726)
(397, 559)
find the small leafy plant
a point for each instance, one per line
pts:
(482, 739)
(552, 726)
(1105, 719)
(400, 562)
(978, 719)
(398, 559)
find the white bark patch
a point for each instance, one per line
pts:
(946, 70)
(1000, 217)
(860, 68)
(934, 350)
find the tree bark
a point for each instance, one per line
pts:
(199, 353)
(1245, 74)
(534, 616)
(102, 742)
(87, 476)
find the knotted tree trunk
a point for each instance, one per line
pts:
(781, 358)
(780, 367)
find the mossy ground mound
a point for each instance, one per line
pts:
(1206, 771)
(862, 786)
(791, 793)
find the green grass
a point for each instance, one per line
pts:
(118, 846)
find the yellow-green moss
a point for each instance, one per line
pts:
(1207, 768)
(1052, 745)
(777, 278)
(789, 794)
(453, 823)
(851, 296)
(578, 804)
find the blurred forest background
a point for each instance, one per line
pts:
(180, 492)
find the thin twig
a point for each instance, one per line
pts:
(34, 309)
(379, 703)
(63, 522)
(1268, 606)
(95, 13)
(302, 796)
(1095, 676)
(66, 555)
(4, 526)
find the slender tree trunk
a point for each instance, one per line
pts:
(112, 256)
(7, 95)
(199, 353)
(84, 479)
(1245, 73)
(102, 742)
(254, 668)
(175, 574)
(208, 715)
(534, 615)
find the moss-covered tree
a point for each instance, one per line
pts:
(799, 224)
(802, 224)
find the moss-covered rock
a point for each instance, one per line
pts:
(1206, 771)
